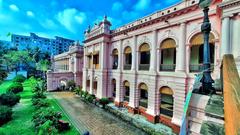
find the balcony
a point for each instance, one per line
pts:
(198, 67)
(144, 67)
(167, 67)
(143, 103)
(114, 67)
(127, 67)
(126, 98)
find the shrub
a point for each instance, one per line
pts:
(15, 87)
(19, 78)
(78, 90)
(47, 128)
(63, 126)
(9, 99)
(44, 114)
(84, 94)
(90, 98)
(38, 103)
(71, 85)
(5, 114)
(104, 101)
(39, 95)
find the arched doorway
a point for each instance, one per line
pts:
(144, 56)
(143, 99)
(196, 54)
(115, 59)
(166, 102)
(95, 87)
(113, 88)
(63, 84)
(88, 85)
(168, 55)
(126, 85)
(128, 58)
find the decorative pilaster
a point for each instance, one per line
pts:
(181, 50)
(236, 36)
(153, 58)
(134, 95)
(103, 63)
(120, 56)
(225, 45)
(134, 53)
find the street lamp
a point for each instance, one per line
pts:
(206, 28)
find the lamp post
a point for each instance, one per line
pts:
(206, 28)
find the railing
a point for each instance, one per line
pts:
(198, 67)
(126, 98)
(144, 67)
(114, 67)
(167, 67)
(231, 88)
(127, 67)
(143, 103)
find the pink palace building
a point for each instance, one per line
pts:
(149, 65)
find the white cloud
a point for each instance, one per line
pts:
(142, 5)
(14, 8)
(48, 24)
(117, 6)
(70, 18)
(30, 13)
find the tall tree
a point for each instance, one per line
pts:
(43, 66)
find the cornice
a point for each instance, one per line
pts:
(96, 37)
(159, 19)
(229, 4)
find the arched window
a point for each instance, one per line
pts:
(144, 55)
(143, 100)
(196, 55)
(166, 101)
(168, 55)
(115, 59)
(126, 91)
(128, 58)
(114, 88)
(95, 83)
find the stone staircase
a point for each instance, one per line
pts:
(205, 115)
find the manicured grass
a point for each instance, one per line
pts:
(22, 115)
(23, 111)
(4, 85)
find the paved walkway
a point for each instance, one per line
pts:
(90, 118)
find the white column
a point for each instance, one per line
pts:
(134, 53)
(102, 60)
(120, 56)
(236, 37)
(153, 93)
(134, 95)
(118, 91)
(225, 45)
(181, 50)
(153, 62)
(158, 58)
(85, 61)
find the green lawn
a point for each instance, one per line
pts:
(22, 114)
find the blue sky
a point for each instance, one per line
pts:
(69, 18)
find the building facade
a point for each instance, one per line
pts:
(53, 46)
(66, 67)
(149, 65)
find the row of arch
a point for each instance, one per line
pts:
(168, 54)
(166, 96)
